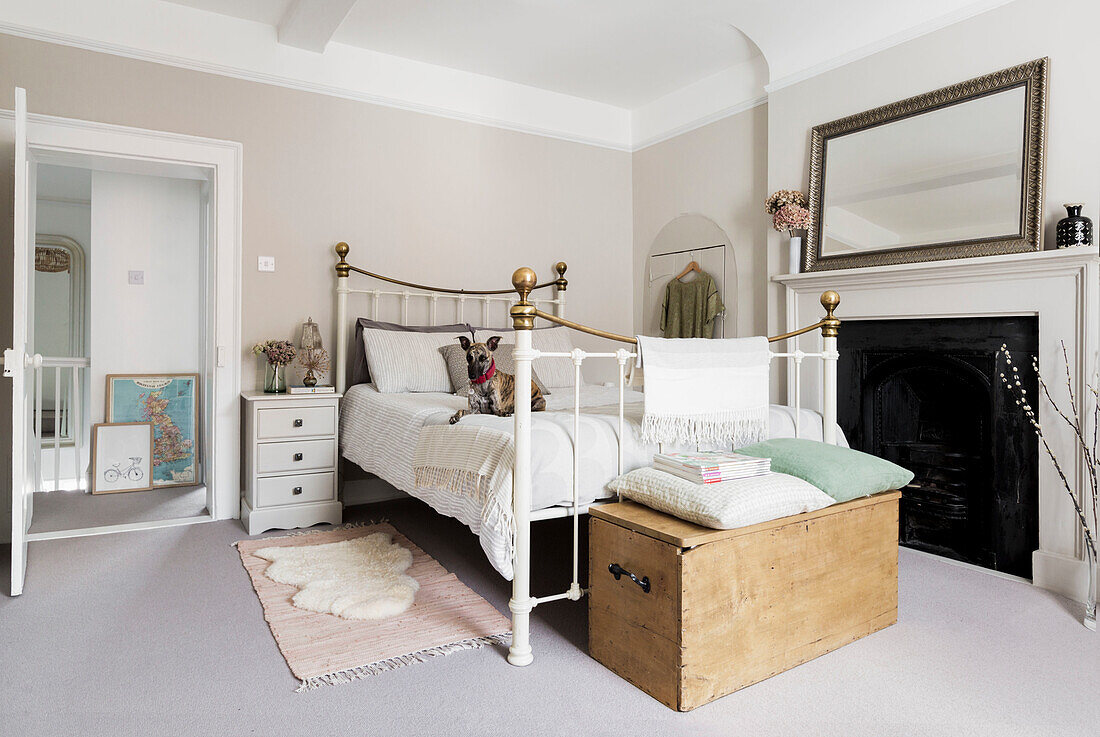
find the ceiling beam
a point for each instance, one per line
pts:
(311, 24)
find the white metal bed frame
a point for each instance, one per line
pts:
(524, 309)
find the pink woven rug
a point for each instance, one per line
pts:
(322, 649)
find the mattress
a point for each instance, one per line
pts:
(379, 433)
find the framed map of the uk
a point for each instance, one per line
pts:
(170, 402)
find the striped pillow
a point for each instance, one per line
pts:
(407, 362)
(726, 504)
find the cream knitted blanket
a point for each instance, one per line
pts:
(703, 391)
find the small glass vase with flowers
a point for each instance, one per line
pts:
(279, 353)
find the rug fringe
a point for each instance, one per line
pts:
(382, 666)
(345, 526)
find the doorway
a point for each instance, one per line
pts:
(127, 265)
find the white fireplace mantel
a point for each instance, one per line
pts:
(1061, 287)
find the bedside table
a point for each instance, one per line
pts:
(291, 448)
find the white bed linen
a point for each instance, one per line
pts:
(379, 432)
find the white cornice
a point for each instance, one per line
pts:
(184, 37)
(896, 39)
(714, 117)
(187, 38)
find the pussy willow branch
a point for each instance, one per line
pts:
(1075, 425)
(1022, 400)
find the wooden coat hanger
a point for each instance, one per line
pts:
(693, 266)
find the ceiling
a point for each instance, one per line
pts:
(624, 53)
(623, 74)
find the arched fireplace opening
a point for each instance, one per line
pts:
(926, 394)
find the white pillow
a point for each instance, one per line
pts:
(407, 362)
(726, 504)
(554, 372)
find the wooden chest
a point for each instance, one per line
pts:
(713, 611)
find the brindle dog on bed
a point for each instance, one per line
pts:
(491, 391)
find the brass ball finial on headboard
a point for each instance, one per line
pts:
(342, 266)
(561, 283)
(523, 312)
(830, 300)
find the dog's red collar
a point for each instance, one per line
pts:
(487, 375)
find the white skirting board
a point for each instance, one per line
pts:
(1061, 574)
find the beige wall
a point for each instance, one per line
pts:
(1009, 35)
(718, 171)
(423, 197)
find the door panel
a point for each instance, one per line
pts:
(21, 355)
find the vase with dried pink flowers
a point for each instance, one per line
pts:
(278, 353)
(1086, 500)
(789, 214)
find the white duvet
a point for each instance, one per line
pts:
(379, 432)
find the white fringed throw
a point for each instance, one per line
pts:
(701, 391)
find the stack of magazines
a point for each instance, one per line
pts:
(710, 467)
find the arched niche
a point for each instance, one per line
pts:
(682, 239)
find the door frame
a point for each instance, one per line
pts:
(65, 141)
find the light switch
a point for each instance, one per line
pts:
(265, 263)
(136, 277)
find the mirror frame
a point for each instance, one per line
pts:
(1032, 76)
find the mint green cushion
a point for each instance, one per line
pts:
(842, 473)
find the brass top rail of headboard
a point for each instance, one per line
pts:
(828, 325)
(343, 268)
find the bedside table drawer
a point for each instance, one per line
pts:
(295, 457)
(278, 490)
(292, 422)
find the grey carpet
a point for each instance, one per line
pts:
(67, 510)
(160, 633)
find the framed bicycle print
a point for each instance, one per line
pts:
(170, 402)
(122, 457)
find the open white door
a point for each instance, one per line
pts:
(19, 360)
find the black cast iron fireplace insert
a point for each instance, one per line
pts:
(926, 394)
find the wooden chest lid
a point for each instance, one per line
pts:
(684, 534)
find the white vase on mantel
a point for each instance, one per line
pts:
(794, 255)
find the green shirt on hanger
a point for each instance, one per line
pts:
(690, 307)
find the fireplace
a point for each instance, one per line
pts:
(927, 395)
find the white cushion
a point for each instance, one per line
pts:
(407, 362)
(724, 505)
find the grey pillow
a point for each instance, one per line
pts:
(359, 372)
(455, 358)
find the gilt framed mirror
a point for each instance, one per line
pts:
(949, 174)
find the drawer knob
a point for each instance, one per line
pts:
(298, 490)
(298, 422)
(618, 571)
(297, 456)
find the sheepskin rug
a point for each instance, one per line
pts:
(362, 578)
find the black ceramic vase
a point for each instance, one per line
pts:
(1075, 229)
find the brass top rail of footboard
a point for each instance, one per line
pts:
(829, 325)
(585, 328)
(343, 268)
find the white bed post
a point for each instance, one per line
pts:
(342, 271)
(521, 603)
(560, 285)
(829, 331)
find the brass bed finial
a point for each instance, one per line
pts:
(561, 282)
(343, 268)
(523, 312)
(830, 326)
